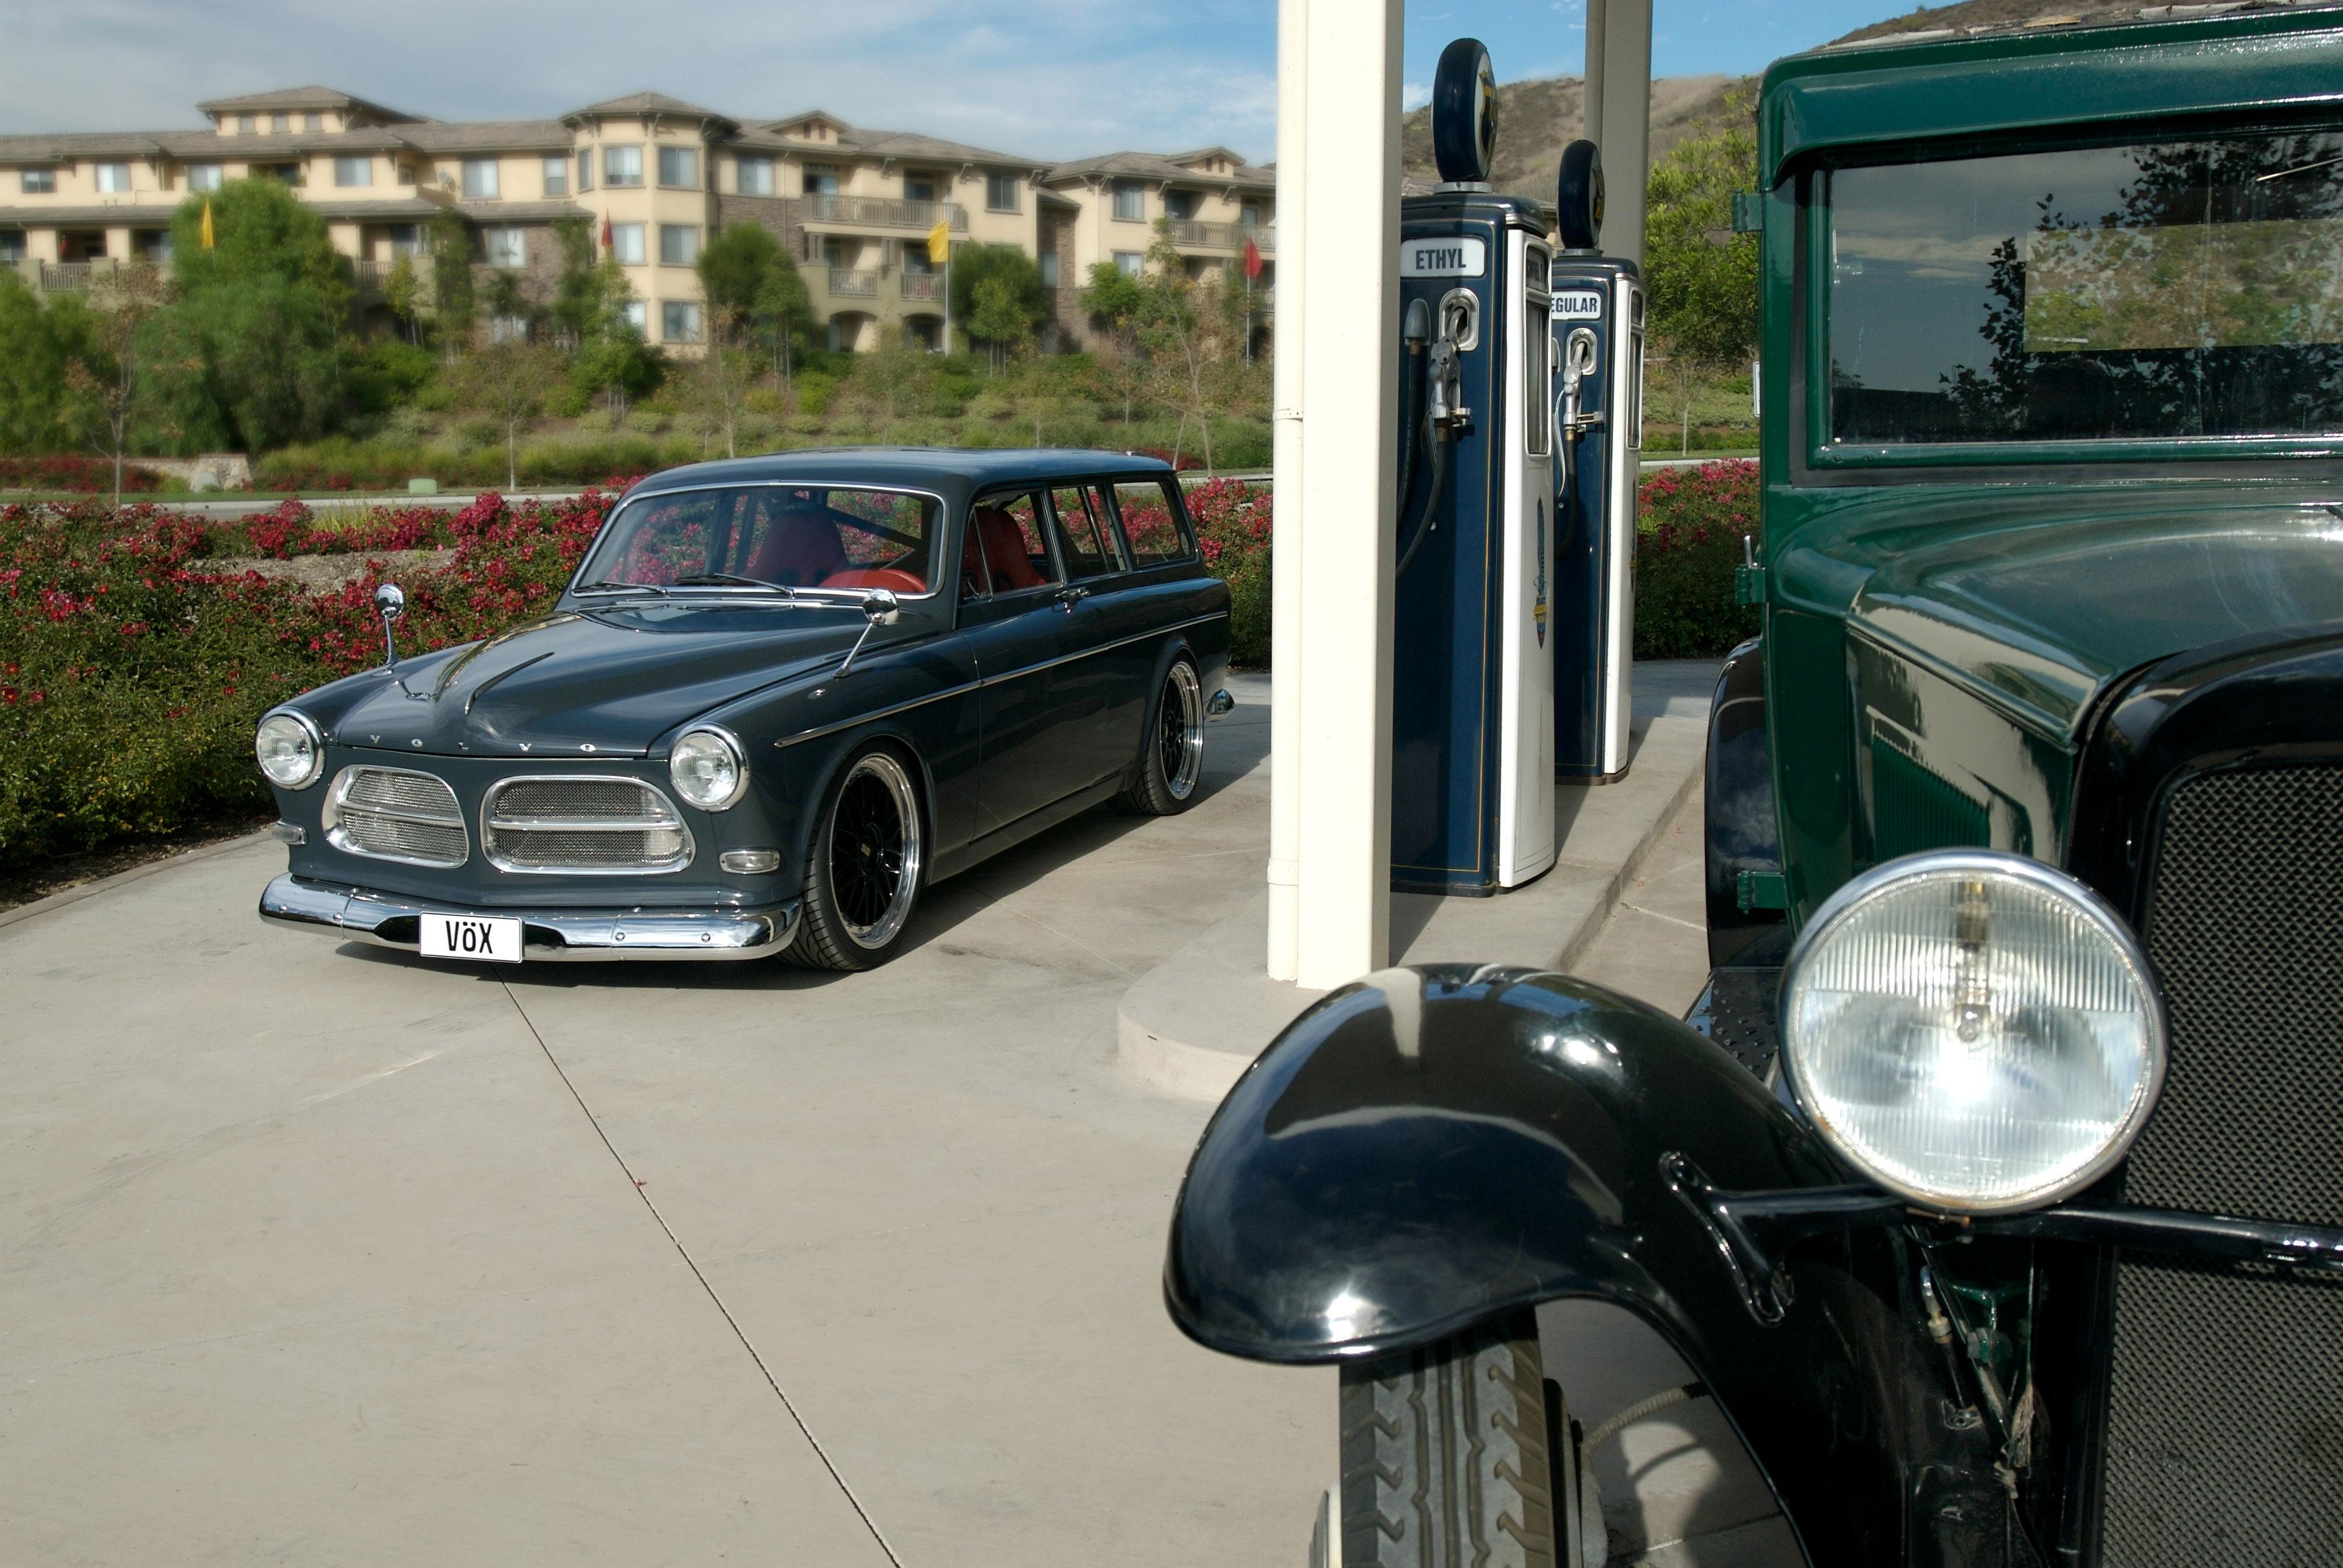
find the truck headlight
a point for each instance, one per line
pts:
(1973, 1030)
(707, 768)
(290, 752)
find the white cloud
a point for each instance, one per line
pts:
(1414, 95)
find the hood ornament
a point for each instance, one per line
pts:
(390, 603)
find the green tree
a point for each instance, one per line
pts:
(1021, 306)
(613, 362)
(579, 305)
(507, 382)
(784, 317)
(755, 296)
(897, 374)
(403, 292)
(107, 376)
(249, 353)
(33, 359)
(1000, 321)
(1699, 277)
(452, 304)
(1117, 302)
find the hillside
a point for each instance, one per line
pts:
(1536, 118)
(1967, 14)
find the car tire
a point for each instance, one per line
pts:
(1447, 1456)
(1171, 767)
(864, 870)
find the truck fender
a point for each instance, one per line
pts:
(1740, 837)
(1427, 1148)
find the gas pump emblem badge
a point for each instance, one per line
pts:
(1537, 607)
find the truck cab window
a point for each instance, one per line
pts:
(1084, 535)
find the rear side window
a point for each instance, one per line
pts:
(1151, 528)
(1084, 534)
(1004, 552)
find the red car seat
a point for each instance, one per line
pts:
(800, 549)
(1004, 551)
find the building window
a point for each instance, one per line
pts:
(919, 187)
(1049, 269)
(244, 125)
(821, 179)
(678, 244)
(203, 176)
(1178, 205)
(284, 174)
(1250, 216)
(626, 244)
(637, 316)
(679, 321)
(556, 175)
(1001, 193)
(313, 122)
(114, 179)
(508, 246)
(509, 329)
(40, 182)
(756, 176)
(585, 169)
(1130, 201)
(354, 171)
(480, 179)
(406, 239)
(278, 125)
(678, 168)
(12, 245)
(622, 166)
(154, 243)
(1130, 263)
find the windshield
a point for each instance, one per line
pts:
(2166, 290)
(751, 536)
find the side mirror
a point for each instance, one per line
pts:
(390, 603)
(880, 606)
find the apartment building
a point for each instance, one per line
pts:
(654, 176)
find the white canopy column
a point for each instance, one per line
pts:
(1336, 403)
(1619, 115)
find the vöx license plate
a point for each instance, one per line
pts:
(471, 937)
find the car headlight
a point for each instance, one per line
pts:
(289, 750)
(1974, 1030)
(707, 768)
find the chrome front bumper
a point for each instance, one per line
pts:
(567, 936)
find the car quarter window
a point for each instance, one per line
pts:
(1084, 534)
(1152, 530)
(1003, 552)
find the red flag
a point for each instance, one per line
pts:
(1253, 261)
(605, 231)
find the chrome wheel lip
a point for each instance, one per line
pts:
(1182, 687)
(891, 773)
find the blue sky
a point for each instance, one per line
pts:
(1052, 79)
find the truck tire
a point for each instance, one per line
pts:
(1445, 1462)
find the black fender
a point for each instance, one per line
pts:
(1429, 1148)
(1741, 833)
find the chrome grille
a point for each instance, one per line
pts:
(396, 814)
(620, 825)
(2224, 1426)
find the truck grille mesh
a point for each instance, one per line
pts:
(396, 814)
(610, 825)
(2226, 1419)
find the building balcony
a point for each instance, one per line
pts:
(923, 285)
(854, 283)
(371, 277)
(858, 212)
(1190, 235)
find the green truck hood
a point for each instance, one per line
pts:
(2056, 598)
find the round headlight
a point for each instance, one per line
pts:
(707, 768)
(1971, 1030)
(289, 750)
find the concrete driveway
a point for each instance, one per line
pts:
(315, 1254)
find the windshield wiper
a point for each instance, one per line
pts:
(706, 580)
(608, 587)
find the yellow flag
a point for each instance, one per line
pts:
(940, 243)
(207, 224)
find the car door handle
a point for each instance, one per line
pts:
(1069, 597)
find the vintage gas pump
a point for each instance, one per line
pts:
(1598, 363)
(1472, 673)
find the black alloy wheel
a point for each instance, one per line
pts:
(1171, 757)
(862, 878)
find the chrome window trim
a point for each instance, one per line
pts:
(717, 590)
(335, 795)
(980, 683)
(489, 821)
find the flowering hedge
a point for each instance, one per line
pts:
(1690, 522)
(82, 476)
(1232, 531)
(133, 665)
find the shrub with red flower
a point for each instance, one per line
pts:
(83, 475)
(1690, 524)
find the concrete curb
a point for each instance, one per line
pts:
(1192, 1026)
(68, 896)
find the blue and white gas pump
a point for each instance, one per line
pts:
(1472, 702)
(1598, 369)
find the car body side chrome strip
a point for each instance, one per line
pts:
(978, 684)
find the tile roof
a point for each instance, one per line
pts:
(646, 104)
(517, 211)
(1154, 166)
(486, 135)
(911, 145)
(85, 216)
(285, 98)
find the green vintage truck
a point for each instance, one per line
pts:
(1994, 1189)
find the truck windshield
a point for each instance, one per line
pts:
(752, 537)
(2172, 289)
